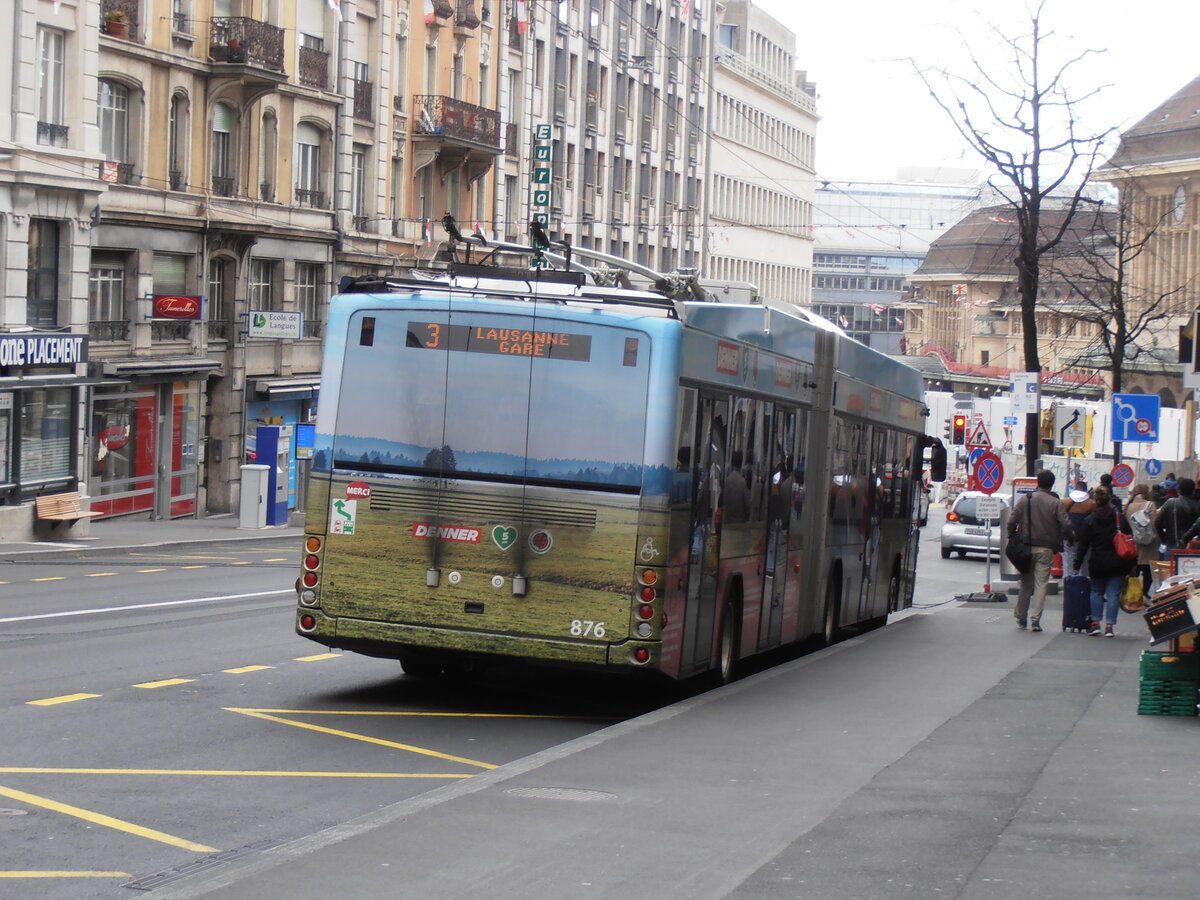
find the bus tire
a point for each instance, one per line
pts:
(728, 642)
(421, 666)
(833, 603)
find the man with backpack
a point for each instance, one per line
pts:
(1176, 517)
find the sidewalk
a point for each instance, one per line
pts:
(948, 754)
(124, 532)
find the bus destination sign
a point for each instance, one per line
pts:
(501, 341)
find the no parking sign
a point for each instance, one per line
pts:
(989, 472)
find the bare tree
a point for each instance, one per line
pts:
(1099, 291)
(1022, 119)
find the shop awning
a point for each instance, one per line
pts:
(22, 383)
(162, 368)
(292, 388)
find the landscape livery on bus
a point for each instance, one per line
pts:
(522, 463)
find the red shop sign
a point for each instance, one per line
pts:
(172, 306)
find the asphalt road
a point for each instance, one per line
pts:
(157, 714)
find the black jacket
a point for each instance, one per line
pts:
(1096, 535)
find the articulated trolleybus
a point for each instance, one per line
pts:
(562, 467)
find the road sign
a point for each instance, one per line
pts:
(1122, 475)
(978, 435)
(1069, 426)
(989, 472)
(1010, 420)
(1024, 388)
(1135, 418)
(988, 508)
(1153, 467)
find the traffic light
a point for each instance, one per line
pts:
(959, 430)
(947, 433)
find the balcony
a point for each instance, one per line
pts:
(314, 68)
(178, 181)
(454, 121)
(114, 330)
(218, 330)
(364, 98)
(464, 14)
(126, 28)
(119, 173)
(313, 199)
(170, 331)
(239, 41)
(51, 134)
(224, 186)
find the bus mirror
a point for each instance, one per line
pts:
(937, 461)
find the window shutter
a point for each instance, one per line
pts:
(170, 273)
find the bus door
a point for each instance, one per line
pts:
(779, 488)
(700, 611)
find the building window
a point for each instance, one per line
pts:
(41, 298)
(113, 105)
(309, 278)
(106, 292)
(267, 156)
(50, 89)
(358, 185)
(220, 293)
(177, 142)
(262, 284)
(308, 166)
(46, 434)
(223, 182)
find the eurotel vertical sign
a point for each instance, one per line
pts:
(540, 201)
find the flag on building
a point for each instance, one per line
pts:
(429, 13)
(522, 16)
(428, 234)
(687, 7)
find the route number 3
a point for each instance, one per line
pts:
(586, 628)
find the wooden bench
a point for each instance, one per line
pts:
(62, 508)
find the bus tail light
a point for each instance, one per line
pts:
(309, 579)
(648, 576)
(648, 594)
(312, 544)
(308, 622)
(645, 611)
(312, 561)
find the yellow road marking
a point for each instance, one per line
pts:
(98, 574)
(277, 559)
(65, 698)
(227, 773)
(52, 578)
(241, 563)
(148, 571)
(167, 682)
(317, 656)
(107, 821)
(431, 715)
(60, 874)
(193, 567)
(245, 669)
(362, 737)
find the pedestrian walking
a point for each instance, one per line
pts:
(1040, 521)
(1079, 505)
(1108, 570)
(1176, 516)
(1141, 511)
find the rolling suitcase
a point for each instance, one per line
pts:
(1077, 603)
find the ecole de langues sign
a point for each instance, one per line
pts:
(18, 350)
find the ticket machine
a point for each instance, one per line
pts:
(275, 451)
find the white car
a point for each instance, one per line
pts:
(964, 532)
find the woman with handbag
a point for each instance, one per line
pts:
(1107, 568)
(1141, 509)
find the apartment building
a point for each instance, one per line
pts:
(760, 179)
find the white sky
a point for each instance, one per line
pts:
(876, 115)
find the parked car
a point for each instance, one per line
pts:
(965, 532)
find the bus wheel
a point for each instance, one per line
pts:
(832, 605)
(727, 648)
(419, 666)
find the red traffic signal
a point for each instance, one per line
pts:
(958, 433)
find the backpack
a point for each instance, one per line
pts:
(1142, 526)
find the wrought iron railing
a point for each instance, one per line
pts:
(218, 330)
(516, 40)
(110, 330)
(453, 118)
(170, 331)
(398, 103)
(315, 199)
(129, 8)
(52, 133)
(443, 9)
(312, 327)
(239, 39)
(177, 180)
(361, 222)
(314, 67)
(181, 23)
(512, 142)
(364, 94)
(224, 186)
(464, 14)
(266, 192)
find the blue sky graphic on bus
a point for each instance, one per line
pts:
(492, 393)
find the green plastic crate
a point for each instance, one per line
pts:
(1158, 665)
(1167, 698)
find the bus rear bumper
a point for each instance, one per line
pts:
(390, 639)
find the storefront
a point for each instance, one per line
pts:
(41, 399)
(146, 440)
